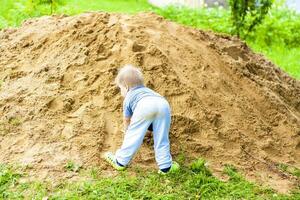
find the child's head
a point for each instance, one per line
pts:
(128, 77)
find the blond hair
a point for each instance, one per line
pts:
(129, 76)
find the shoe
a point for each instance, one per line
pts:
(174, 168)
(111, 159)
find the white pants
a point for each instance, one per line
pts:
(155, 110)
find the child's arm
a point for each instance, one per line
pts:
(126, 122)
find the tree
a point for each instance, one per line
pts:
(247, 14)
(53, 4)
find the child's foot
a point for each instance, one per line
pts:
(174, 168)
(111, 159)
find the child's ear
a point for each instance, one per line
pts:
(124, 90)
(127, 87)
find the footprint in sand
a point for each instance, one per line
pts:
(114, 135)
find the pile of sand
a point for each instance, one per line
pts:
(58, 102)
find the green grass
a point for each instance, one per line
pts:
(286, 58)
(72, 166)
(278, 38)
(12, 13)
(128, 6)
(289, 169)
(193, 182)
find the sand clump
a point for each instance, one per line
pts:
(58, 102)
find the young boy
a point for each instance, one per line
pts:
(143, 109)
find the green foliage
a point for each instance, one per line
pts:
(8, 178)
(271, 31)
(199, 166)
(190, 183)
(13, 12)
(216, 19)
(72, 166)
(289, 169)
(52, 3)
(232, 172)
(246, 15)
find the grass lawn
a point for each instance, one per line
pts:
(195, 181)
(128, 6)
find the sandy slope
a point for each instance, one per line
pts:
(58, 101)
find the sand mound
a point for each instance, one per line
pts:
(58, 101)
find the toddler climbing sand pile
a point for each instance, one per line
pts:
(143, 109)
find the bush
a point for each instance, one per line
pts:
(281, 27)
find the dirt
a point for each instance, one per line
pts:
(58, 101)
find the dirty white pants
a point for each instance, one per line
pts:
(155, 110)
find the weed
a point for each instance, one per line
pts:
(181, 158)
(95, 173)
(71, 166)
(15, 121)
(200, 166)
(289, 169)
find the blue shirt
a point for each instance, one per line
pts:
(133, 96)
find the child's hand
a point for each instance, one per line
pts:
(126, 122)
